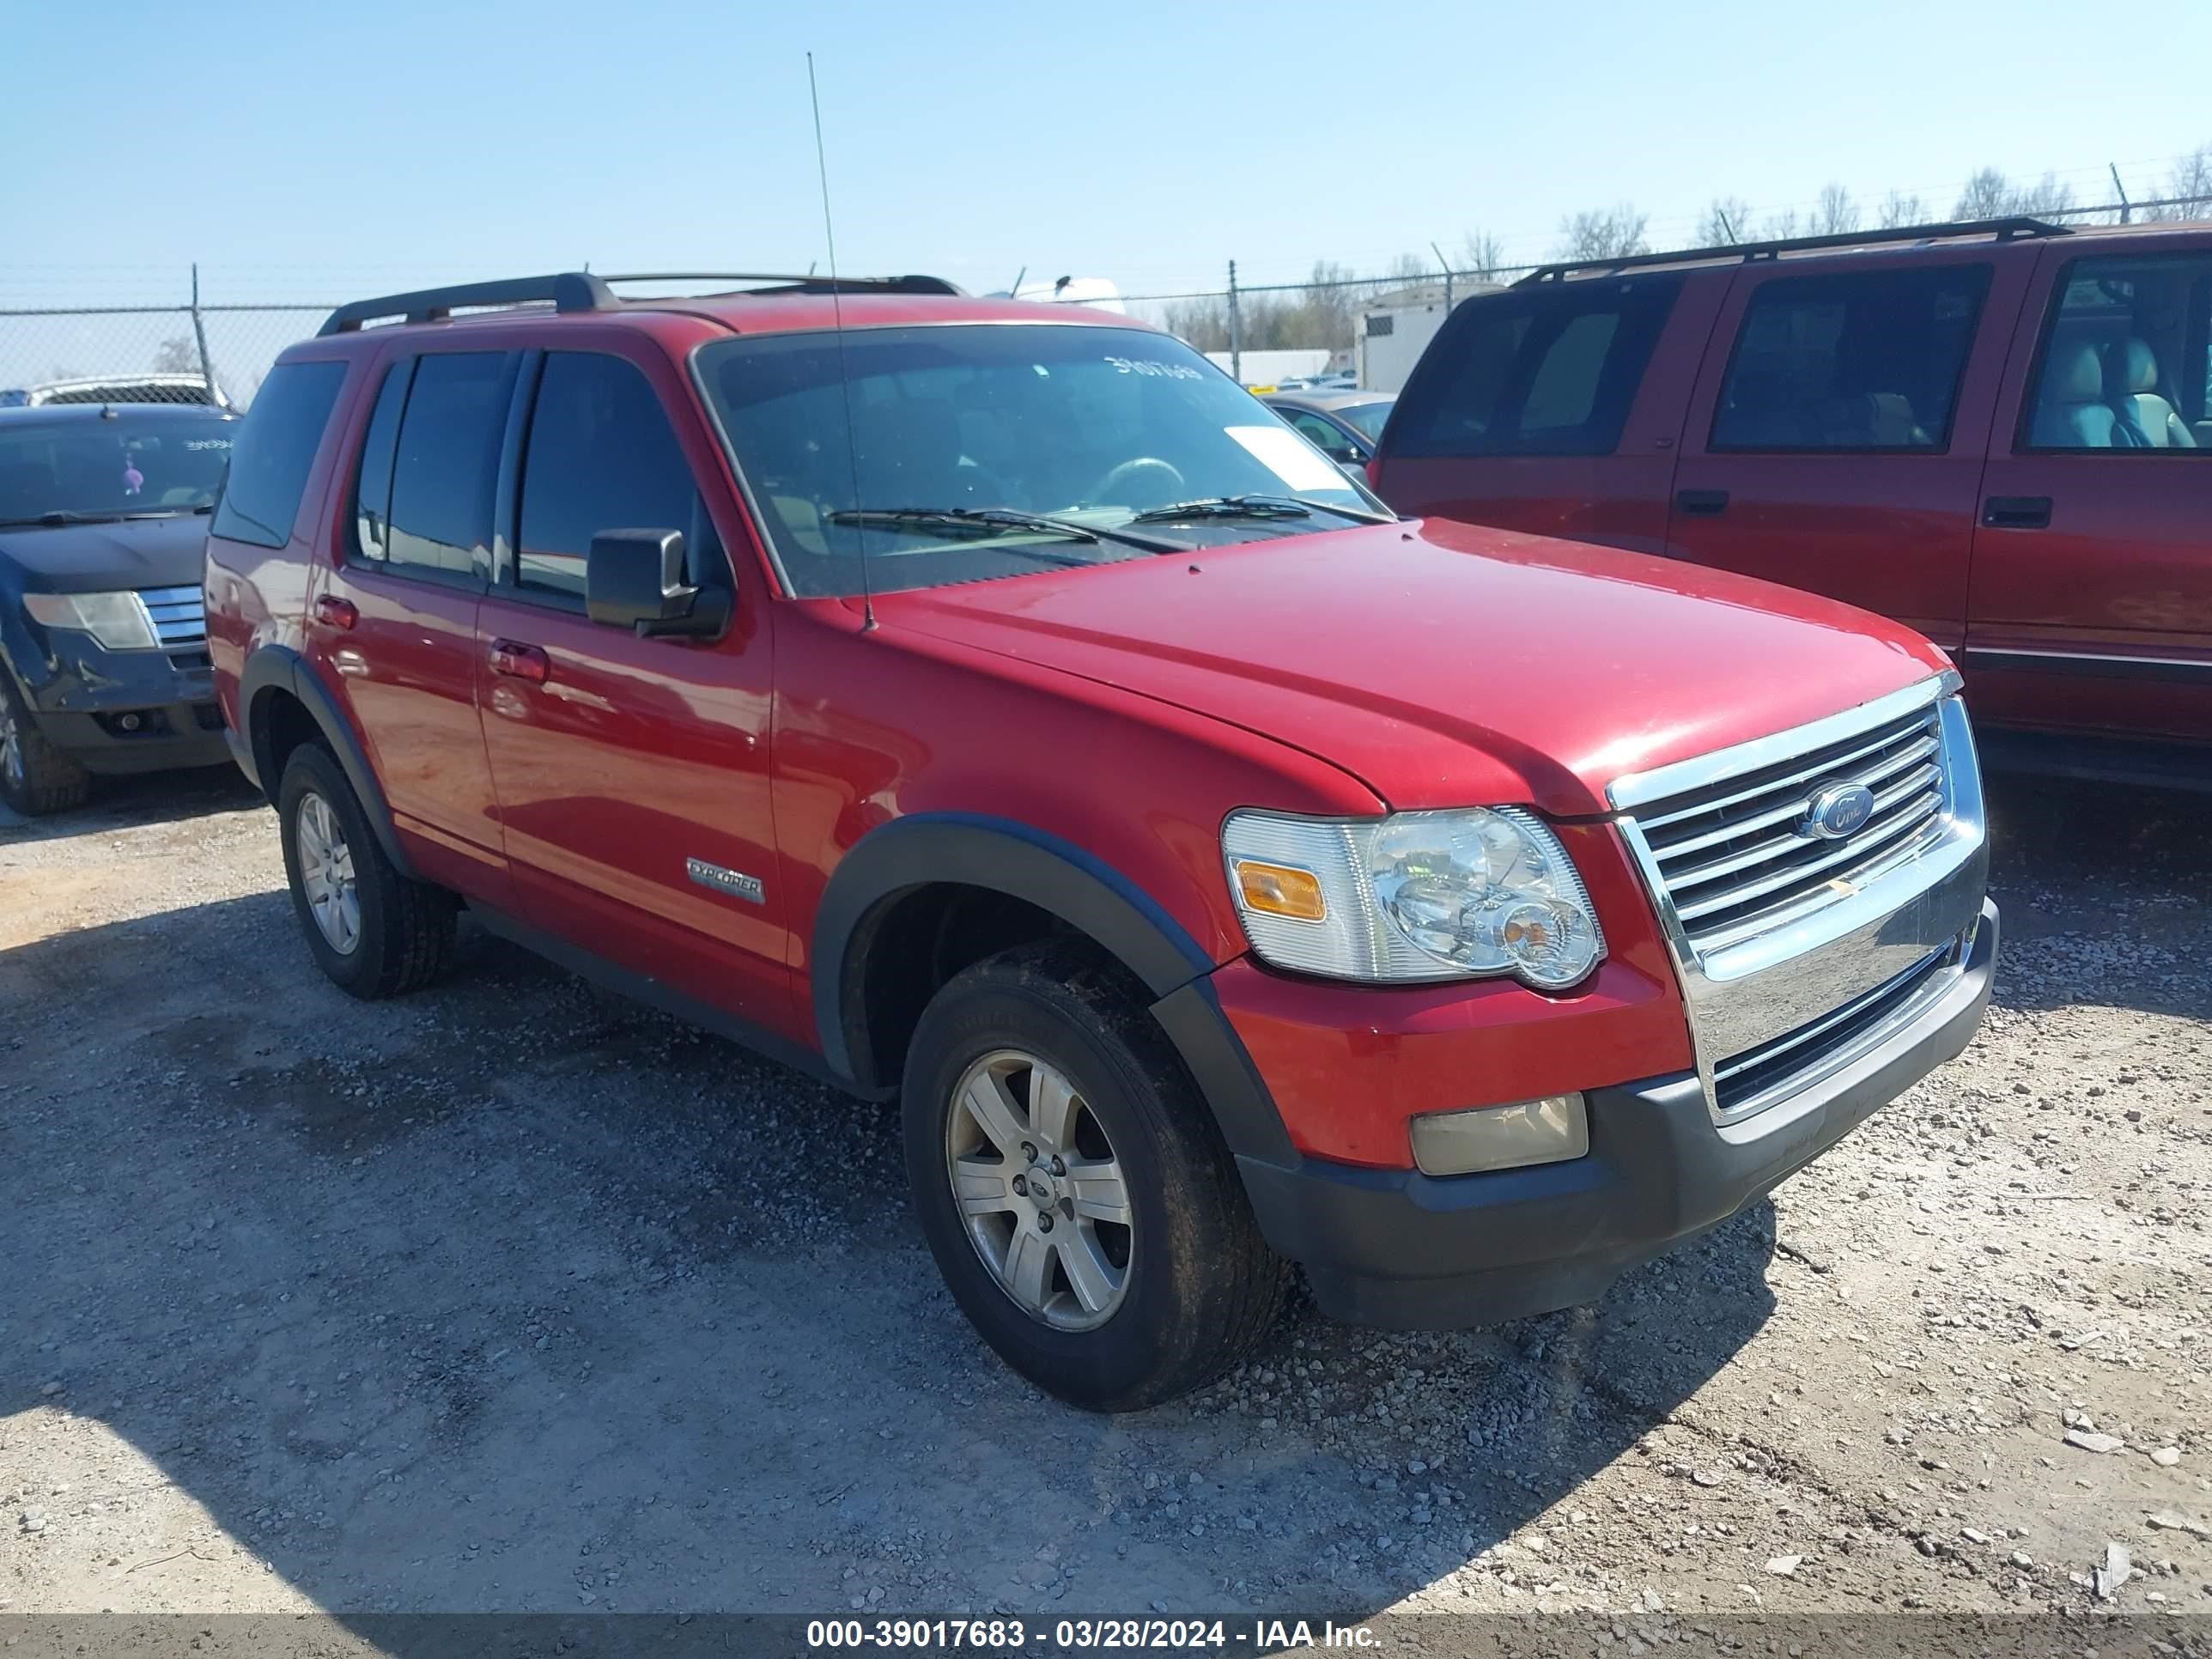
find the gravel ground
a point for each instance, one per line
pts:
(508, 1297)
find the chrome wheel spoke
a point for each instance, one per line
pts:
(1052, 1108)
(1029, 1265)
(1096, 1186)
(991, 1107)
(1097, 1281)
(984, 1187)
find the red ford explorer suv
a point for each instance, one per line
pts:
(1998, 433)
(992, 707)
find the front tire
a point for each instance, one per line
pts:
(36, 777)
(373, 932)
(1073, 1189)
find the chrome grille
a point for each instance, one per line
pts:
(1742, 1082)
(179, 619)
(1732, 858)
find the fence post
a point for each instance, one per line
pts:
(1446, 265)
(199, 333)
(1236, 331)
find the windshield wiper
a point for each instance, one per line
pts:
(1254, 507)
(981, 521)
(63, 515)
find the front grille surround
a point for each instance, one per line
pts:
(1777, 935)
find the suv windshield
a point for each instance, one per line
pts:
(109, 467)
(966, 437)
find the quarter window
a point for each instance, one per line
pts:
(602, 456)
(2126, 363)
(1867, 360)
(274, 448)
(446, 466)
(1551, 369)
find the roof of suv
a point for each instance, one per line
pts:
(1902, 239)
(781, 304)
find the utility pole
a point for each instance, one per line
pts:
(1236, 331)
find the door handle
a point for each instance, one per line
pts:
(518, 661)
(2017, 511)
(1701, 503)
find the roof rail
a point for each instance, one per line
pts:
(569, 290)
(2004, 230)
(582, 290)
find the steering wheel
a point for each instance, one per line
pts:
(1162, 482)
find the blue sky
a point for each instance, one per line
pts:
(320, 152)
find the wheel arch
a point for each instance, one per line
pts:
(281, 702)
(885, 896)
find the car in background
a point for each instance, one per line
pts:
(155, 388)
(103, 652)
(1998, 433)
(1343, 425)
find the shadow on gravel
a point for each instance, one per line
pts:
(159, 797)
(508, 1297)
(2106, 894)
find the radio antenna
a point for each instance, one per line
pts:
(837, 327)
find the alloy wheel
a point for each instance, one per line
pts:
(1039, 1190)
(11, 745)
(326, 874)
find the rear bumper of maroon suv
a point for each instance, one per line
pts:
(1409, 1251)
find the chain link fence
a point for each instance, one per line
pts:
(1268, 331)
(192, 353)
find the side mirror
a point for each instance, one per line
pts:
(633, 578)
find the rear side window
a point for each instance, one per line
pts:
(445, 470)
(1545, 370)
(1869, 361)
(273, 450)
(371, 495)
(602, 456)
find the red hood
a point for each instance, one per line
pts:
(1444, 665)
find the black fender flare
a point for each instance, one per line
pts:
(1004, 856)
(279, 668)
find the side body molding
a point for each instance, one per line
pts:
(274, 668)
(1003, 856)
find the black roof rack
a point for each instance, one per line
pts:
(583, 290)
(2004, 230)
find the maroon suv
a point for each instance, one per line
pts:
(995, 707)
(1998, 433)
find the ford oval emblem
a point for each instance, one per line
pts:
(1837, 811)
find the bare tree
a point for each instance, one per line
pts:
(1837, 213)
(1990, 195)
(1898, 210)
(1603, 234)
(1779, 227)
(176, 356)
(1727, 222)
(1482, 255)
(2191, 176)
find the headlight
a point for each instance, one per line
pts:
(1418, 896)
(117, 621)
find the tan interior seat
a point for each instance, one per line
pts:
(2071, 412)
(2131, 388)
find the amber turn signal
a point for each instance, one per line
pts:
(1280, 890)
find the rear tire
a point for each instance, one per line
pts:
(373, 931)
(36, 777)
(1097, 1118)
